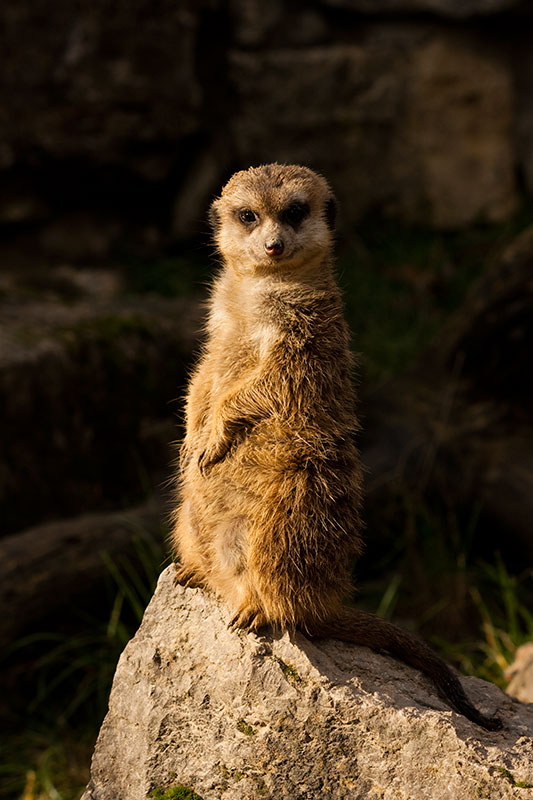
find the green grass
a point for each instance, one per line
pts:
(401, 283)
(436, 579)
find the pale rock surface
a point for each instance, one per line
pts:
(237, 716)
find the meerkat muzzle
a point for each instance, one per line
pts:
(274, 248)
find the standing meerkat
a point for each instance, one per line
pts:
(270, 479)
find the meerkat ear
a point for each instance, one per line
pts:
(331, 212)
(213, 215)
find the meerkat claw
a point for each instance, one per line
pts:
(243, 620)
(185, 577)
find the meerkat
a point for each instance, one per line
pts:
(270, 479)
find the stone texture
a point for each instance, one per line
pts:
(232, 715)
(258, 23)
(296, 103)
(520, 674)
(422, 122)
(121, 125)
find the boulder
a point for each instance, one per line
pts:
(523, 70)
(452, 153)
(233, 715)
(94, 82)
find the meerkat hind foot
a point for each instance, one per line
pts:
(185, 577)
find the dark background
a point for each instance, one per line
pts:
(119, 122)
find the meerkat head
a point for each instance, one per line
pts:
(274, 218)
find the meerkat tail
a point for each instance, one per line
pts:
(359, 627)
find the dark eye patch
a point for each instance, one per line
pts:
(295, 213)
(247, 216)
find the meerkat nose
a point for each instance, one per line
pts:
(274, 248)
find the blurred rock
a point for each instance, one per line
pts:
(135, 116)
(234, 715)
(453, 149)
(256, 23)
(195, 195)
(85, 378)
(82, 237)
(523, 65)
(95, 79)
(333, 107)
(47, 568)
(520, 674)
(422, 122)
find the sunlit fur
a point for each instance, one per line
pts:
(270, 482)
(272, 521)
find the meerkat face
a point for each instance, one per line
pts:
(274, 218)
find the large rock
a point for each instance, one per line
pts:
(452, 153)
(232, 715)
(523, 64)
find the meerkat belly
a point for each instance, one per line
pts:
(293, 503)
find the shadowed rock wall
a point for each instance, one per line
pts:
(120, 122)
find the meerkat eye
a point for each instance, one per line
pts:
(247, 216)
(295, 213)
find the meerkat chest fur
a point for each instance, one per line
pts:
(241, 318)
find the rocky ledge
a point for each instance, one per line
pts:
(200, 711)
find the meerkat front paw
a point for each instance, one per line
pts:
(249, 619)
(185, 577)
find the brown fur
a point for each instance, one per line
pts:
(270, 478)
